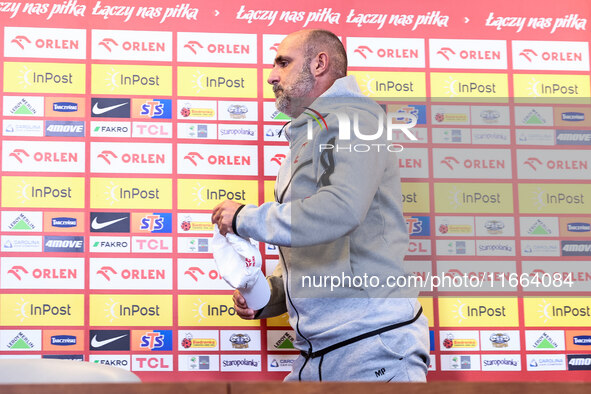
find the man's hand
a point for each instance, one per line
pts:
(241, 307)
(223, 214)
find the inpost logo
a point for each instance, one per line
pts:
(474, 86)
(392, 85)
(548, 88)
(557, 312)
(42, 192)
(131, 80)
(478, 312)
(131, 193)
(44, 77)
(210, 310)
(217, 82)
(130, 310)
(41, 310)
(555, 198)
(474, 197)
(415, 197)
(207, 193)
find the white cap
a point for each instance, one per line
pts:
(239, 262)
(257, 295)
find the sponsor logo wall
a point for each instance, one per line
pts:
(119, 138)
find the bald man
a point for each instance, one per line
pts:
(337, 220)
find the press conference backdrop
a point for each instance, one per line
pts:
(125, 123)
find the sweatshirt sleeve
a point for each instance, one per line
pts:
(332, 211)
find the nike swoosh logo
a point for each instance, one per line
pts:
(99, 111)
(97, 226)
(96, 343)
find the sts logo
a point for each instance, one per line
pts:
(418, 225)
(152, 108)
(147, 222)
(151, 340)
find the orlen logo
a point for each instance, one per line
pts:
(451, 162)
(23, 41)
(45, 157)
(460, 53)
(133, 46)
(550, 55)
(19, 273)
(217, 47)
(219, 160)
(193, 157)
(278, 158)
(446, 52)
(196, 272)
(194, 47)
(390, 53)
(134, 274)
(561, 165)
(135, 158)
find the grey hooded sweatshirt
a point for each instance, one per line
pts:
(338, 214)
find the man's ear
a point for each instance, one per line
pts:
(320, 64)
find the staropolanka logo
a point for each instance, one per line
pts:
(344, 127)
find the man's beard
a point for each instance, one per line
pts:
(290, 99)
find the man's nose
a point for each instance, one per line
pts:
(273, 77)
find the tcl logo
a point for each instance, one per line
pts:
(23, 41)
(536, 163)
(531, 55)
(45, 157)
(109, 272)
(133, 46)
(194, 47)
(146, 244)
(55, 273)
(147, 363)
(196, 272)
